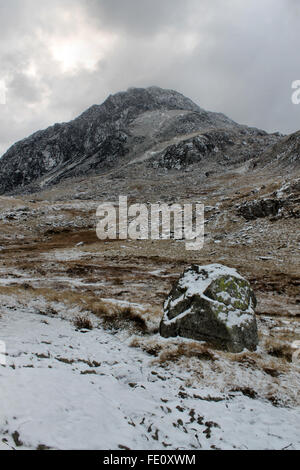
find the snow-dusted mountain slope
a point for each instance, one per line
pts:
(128, 127)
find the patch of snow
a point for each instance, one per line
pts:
(198, 283)
(71, 390)
(71, 254)
(124, 303)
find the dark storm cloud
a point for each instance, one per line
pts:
(139, 17)
(57, 58)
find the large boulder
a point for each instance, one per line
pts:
(212, 303)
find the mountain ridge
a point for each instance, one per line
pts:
(128, 127)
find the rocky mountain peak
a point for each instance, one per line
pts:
(129, 104)
(151, 124)
(151, 98)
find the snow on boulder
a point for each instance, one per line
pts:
(212, 303)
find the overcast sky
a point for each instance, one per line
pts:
(58, 58)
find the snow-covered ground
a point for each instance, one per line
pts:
(68, 389)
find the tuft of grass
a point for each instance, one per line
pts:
(246, 391)
(248, 359)
(187, 350)
(151, 347)
(98, 308)
(83, 322)
(122, 317)
(167, 352)
(279, 350)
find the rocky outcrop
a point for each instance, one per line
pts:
(214, 304)
(283, 203)
(261, 208)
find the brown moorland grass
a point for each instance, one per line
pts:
(113, 316)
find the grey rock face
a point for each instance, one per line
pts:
(196, 149)
(212, 303)
(285, 154)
